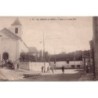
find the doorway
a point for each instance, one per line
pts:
(5, 56)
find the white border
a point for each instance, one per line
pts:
(48, 8)
(48, 90)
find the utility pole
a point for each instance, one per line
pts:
(44, 51)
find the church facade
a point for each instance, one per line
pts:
(11, 43)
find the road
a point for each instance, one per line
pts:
(69, 75)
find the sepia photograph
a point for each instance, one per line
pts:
(41, 48)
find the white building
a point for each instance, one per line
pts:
(11, 43)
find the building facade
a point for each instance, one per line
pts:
(11, 43)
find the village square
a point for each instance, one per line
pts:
(20, 62)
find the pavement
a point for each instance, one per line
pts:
(13, 75)
(68, 75)
(20, 74)
(87, 77)
(67, 71)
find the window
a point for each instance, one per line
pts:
(16, 30)
(73, 66)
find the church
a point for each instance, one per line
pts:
(11, 43)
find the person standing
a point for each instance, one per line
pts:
(63, 69)
(42, 69)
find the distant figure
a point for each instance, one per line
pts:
(87, 69)
(67, 61)
(17, 66)
(52, 69)
(63, 69)
(42, 69)
(48, 69)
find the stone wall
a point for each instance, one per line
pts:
(24, 65)
(10, 46)
(32, 66)
(36, 66)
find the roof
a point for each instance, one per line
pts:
(16, 22)
(23, 42)
(9, 33)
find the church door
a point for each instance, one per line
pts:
(5, 56)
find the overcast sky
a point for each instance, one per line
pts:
(61, 33)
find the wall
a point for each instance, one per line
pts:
(36, 66)
(33, 66)
(24, 65)
(59, 64)
(10, 46)
(12, 28)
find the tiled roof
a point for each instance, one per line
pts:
(9, 33)
(16, 22)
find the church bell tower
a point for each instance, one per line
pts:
(16, 27)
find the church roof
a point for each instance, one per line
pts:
(23, 43)
(12, 35)
(9, 33)
(16, 22)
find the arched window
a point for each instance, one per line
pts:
(16, 30)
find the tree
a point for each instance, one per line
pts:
(26, 57)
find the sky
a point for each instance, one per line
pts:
(61, 34)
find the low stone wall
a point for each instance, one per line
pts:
(24, 65)
(33, 66)
(36, 66)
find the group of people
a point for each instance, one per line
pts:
(48, 69)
